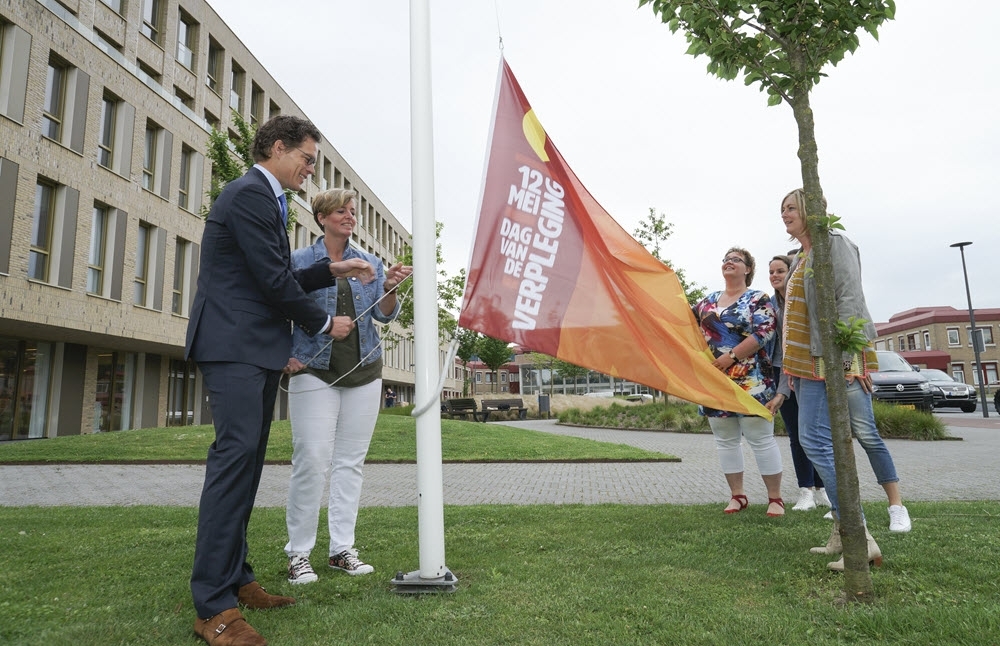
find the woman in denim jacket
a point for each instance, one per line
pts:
(335, 392)
(803, 351)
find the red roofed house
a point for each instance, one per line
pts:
(939, 337)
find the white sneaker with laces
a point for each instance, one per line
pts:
(806, 500)
(899, 519)
(349, 562)
(822, 498)
(300, 571)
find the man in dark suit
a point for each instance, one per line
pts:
(240, 336)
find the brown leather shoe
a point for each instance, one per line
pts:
(255, 597)
(228, 628)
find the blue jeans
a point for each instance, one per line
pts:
(816, 439)
(805, 474)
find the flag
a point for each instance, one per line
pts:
(552, 271)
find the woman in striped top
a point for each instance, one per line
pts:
(803, 351)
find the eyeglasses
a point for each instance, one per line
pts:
(310, 160)
(734, 259)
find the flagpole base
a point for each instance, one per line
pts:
(412, 583)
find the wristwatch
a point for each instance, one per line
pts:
(732, 355)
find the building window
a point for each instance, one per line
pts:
(98, 250)
(256, 104)
(184, 97)
(911, 342)
(986, 333)
(216, 55)
(142, 246)
(25, 369)
(115, 391)
(236, 88)
(106, 136)
(156, 159)
(184, 184)
(927, 340)
(15, 52)
(114, 4)
(149, 157)
(180, 393)
(41, 232)
(991, 373)
(179, 302)
(152, 20)
(953, 339)
(479, 377)
(187, 36)
(55, 91)
(958, 372)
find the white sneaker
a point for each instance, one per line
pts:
(828, 515)
(806, 501)
(349, 562)
(299, 570)
(899, 519)
(822, 498)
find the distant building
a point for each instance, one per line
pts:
(940, 337)
(105, 111)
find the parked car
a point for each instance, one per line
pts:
(897, 382)
(949, 393)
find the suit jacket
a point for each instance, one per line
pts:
(247, 292)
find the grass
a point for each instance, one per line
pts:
(534, 575)
(394, 441)
(892, 421)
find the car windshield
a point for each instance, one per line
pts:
(892, 362)
(936, 375)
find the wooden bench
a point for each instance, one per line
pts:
(504, 405)
(461, 407)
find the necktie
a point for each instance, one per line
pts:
(284, 209)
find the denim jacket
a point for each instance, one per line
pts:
(305, 347)
(850, 298)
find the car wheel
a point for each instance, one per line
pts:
(968, 408)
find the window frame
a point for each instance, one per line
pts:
(143, 244)
(38, 252)
(97, 257)
(54, 103)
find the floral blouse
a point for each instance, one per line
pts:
(751, 315)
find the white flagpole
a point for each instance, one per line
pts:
(433, 574)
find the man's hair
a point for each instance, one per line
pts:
(289, 130)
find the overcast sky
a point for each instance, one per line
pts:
(908, 128)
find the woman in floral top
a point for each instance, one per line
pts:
(739, 326)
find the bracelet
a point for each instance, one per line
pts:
(389, 291)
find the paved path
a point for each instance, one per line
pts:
(954, 470)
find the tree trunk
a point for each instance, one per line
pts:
(857, 577)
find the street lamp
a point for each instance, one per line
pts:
(972, 321)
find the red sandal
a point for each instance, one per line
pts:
(741, 500)
(777, 501)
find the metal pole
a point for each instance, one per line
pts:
(972, 322)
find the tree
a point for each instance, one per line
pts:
(450, 290)
(782, 47)
(568, 370)
(231, 159)
(468, 341)
(655, 229)
(494, 353)
(542, 362)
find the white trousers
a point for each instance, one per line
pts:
(331, 431)
(729, 431)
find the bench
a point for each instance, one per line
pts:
(460, 407)
(503, 405)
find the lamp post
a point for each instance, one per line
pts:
(972, 321)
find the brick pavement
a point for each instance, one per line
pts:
(955, 470)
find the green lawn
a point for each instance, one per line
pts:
(394, 441)
(539, 575)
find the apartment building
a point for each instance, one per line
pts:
(105, 111)
(941, 337)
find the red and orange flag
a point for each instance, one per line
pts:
(552, 271)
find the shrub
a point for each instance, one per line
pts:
(894, 421)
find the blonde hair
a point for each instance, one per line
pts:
(330, 200)
(799, 195)
(748, 259)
